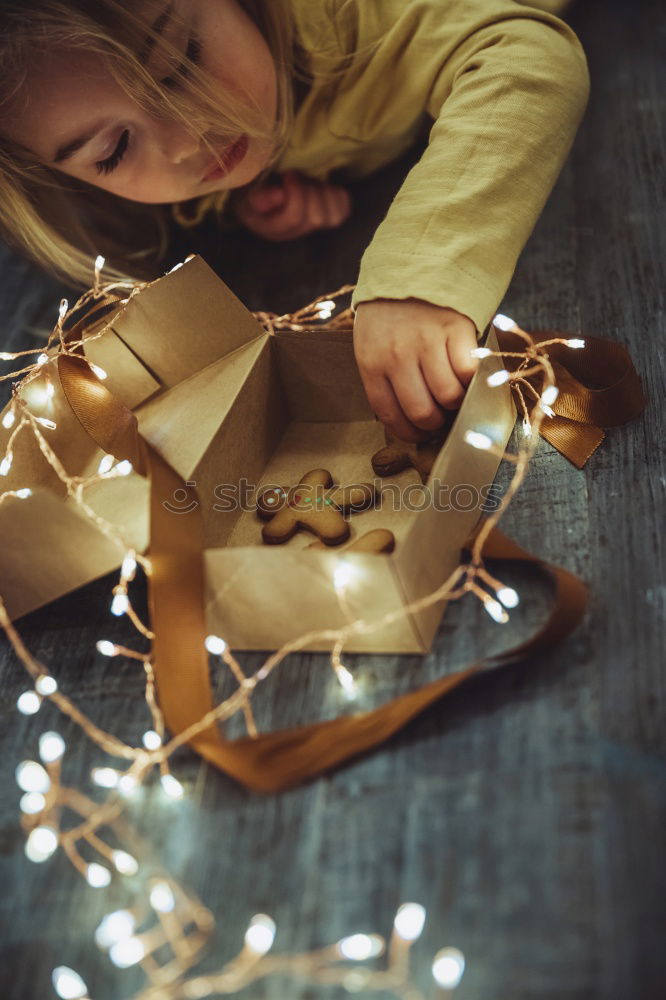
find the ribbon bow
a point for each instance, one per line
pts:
(598, 387)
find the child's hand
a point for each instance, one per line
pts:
(415, 360)
(290, 207)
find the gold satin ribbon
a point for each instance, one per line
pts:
(581, 410)
(275, 761)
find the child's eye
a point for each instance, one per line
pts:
(192, 55)
(111, 162)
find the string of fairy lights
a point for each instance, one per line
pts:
(94, 835)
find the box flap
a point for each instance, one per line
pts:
(185, 321)
(457, 488)
(182, 422)
(127, 378)
(50, 548)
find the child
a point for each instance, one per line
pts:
(110, 111)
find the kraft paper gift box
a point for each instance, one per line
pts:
(228, 404)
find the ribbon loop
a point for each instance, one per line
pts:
(582, 409)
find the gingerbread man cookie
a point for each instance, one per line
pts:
(399, 455)
(378, 540)
(313, 505)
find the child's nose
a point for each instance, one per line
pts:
(179, 145)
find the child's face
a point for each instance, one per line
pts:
(129, 152)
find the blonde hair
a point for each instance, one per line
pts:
(63, 223)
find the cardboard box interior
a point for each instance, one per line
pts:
(225, 402)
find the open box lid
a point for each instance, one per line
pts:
(184, 322)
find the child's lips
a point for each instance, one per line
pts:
(230, 159)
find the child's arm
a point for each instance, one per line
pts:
(507, 86)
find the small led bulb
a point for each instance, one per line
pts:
(63, 308)
(32, 803)
(215, 645)
(477, 440)
(509, 597)
(260, 934)
(119, 604)
(97, 875)
(99, 372)
(504, 322)
(114, 927)
(24, 493)
(9, 419)
(46, 685)
(45, 422)
(68, 984)
(347, 682)
(498, 378)
(105, 465)
(51, 747)
(575, 342)
(127, 783)
(496, 611)
(151, 740)
(123, 468)
(550, 394)
(106, 648)
(448, 967)
(161, 897)
(41, 844)
(481, 352)
(127, 952)
(410, 921)
(28, 703)
(125, 863)
(5, 465)
(128, 568)
(99, 263)
(361, 947)
(105, 777)
(42, 358)
(527, 427)
(343, 574)
(172, 786)
(31, 777)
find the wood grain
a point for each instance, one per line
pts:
(527, 811)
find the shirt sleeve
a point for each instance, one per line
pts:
(506, 104)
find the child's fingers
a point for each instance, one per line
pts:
(295, 207)
(439, 376)
(460, 350)
(316, 213)
(306, 208)
(415, 398)
(338, 205)
(385, 405)
(266, 198)
(323, 204)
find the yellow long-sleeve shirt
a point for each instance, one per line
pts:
(504, 87)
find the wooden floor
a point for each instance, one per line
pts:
(527, 812)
